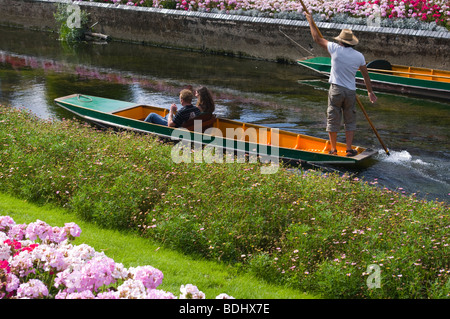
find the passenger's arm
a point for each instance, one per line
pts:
(173, 110)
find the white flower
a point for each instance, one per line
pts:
(224, 296)
(5, 250)
(191, 292)
(34, 288)
(132, 289)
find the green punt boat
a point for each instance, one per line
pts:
(222, 134)
(394, 78)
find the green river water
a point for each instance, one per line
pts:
(35, 68)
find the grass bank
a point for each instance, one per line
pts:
(315, 232)
(125, 247)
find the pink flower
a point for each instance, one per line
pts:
(72, 230)
(88, 276)
(12, 283)
(48, 258)
(77, 271)
(6, 223)
(86, 294)
(17, 232)
(159, 294)
(150, 276)
(191, 292)
(33, 289)
(108, 295)
(22, 265)
(39, 229)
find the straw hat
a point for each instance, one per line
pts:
(347, 36)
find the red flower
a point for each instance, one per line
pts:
(4, 265)
(14, 244)
(30, 248)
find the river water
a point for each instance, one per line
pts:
(35, 68)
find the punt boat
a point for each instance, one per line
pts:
(218, 132)
(394, 78)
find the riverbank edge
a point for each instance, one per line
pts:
(234, 35)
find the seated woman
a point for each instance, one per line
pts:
(205, 101)
(205, 104)
(176, 118)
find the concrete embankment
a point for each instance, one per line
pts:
(244, 36)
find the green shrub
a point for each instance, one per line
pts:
(305, 229)
(69, 29)
(169, 4)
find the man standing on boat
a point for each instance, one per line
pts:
(345, 62)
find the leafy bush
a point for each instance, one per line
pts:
(306, 229)
(69, 29)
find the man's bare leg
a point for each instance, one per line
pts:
(333, 138)
(349, 139)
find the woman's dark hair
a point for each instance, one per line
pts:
(205, 100)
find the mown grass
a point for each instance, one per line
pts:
(125, 247)
(307, 230)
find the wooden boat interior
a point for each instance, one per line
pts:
(246, 132)
(322, 64)
(385, 67)
(417, 73)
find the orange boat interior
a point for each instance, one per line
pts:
(248, 132)
(418, 73)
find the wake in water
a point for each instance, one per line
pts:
(427, 177)
(394, 157)
(401, 170)
(402, 157)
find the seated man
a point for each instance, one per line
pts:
(187, 112)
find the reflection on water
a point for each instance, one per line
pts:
(35, 68)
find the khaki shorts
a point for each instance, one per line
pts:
(341, 103)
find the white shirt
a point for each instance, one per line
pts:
(345, 61)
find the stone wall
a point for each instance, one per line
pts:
(260, 38)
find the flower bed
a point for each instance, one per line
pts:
(307, 230)
(414, 11)
(39, 261)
